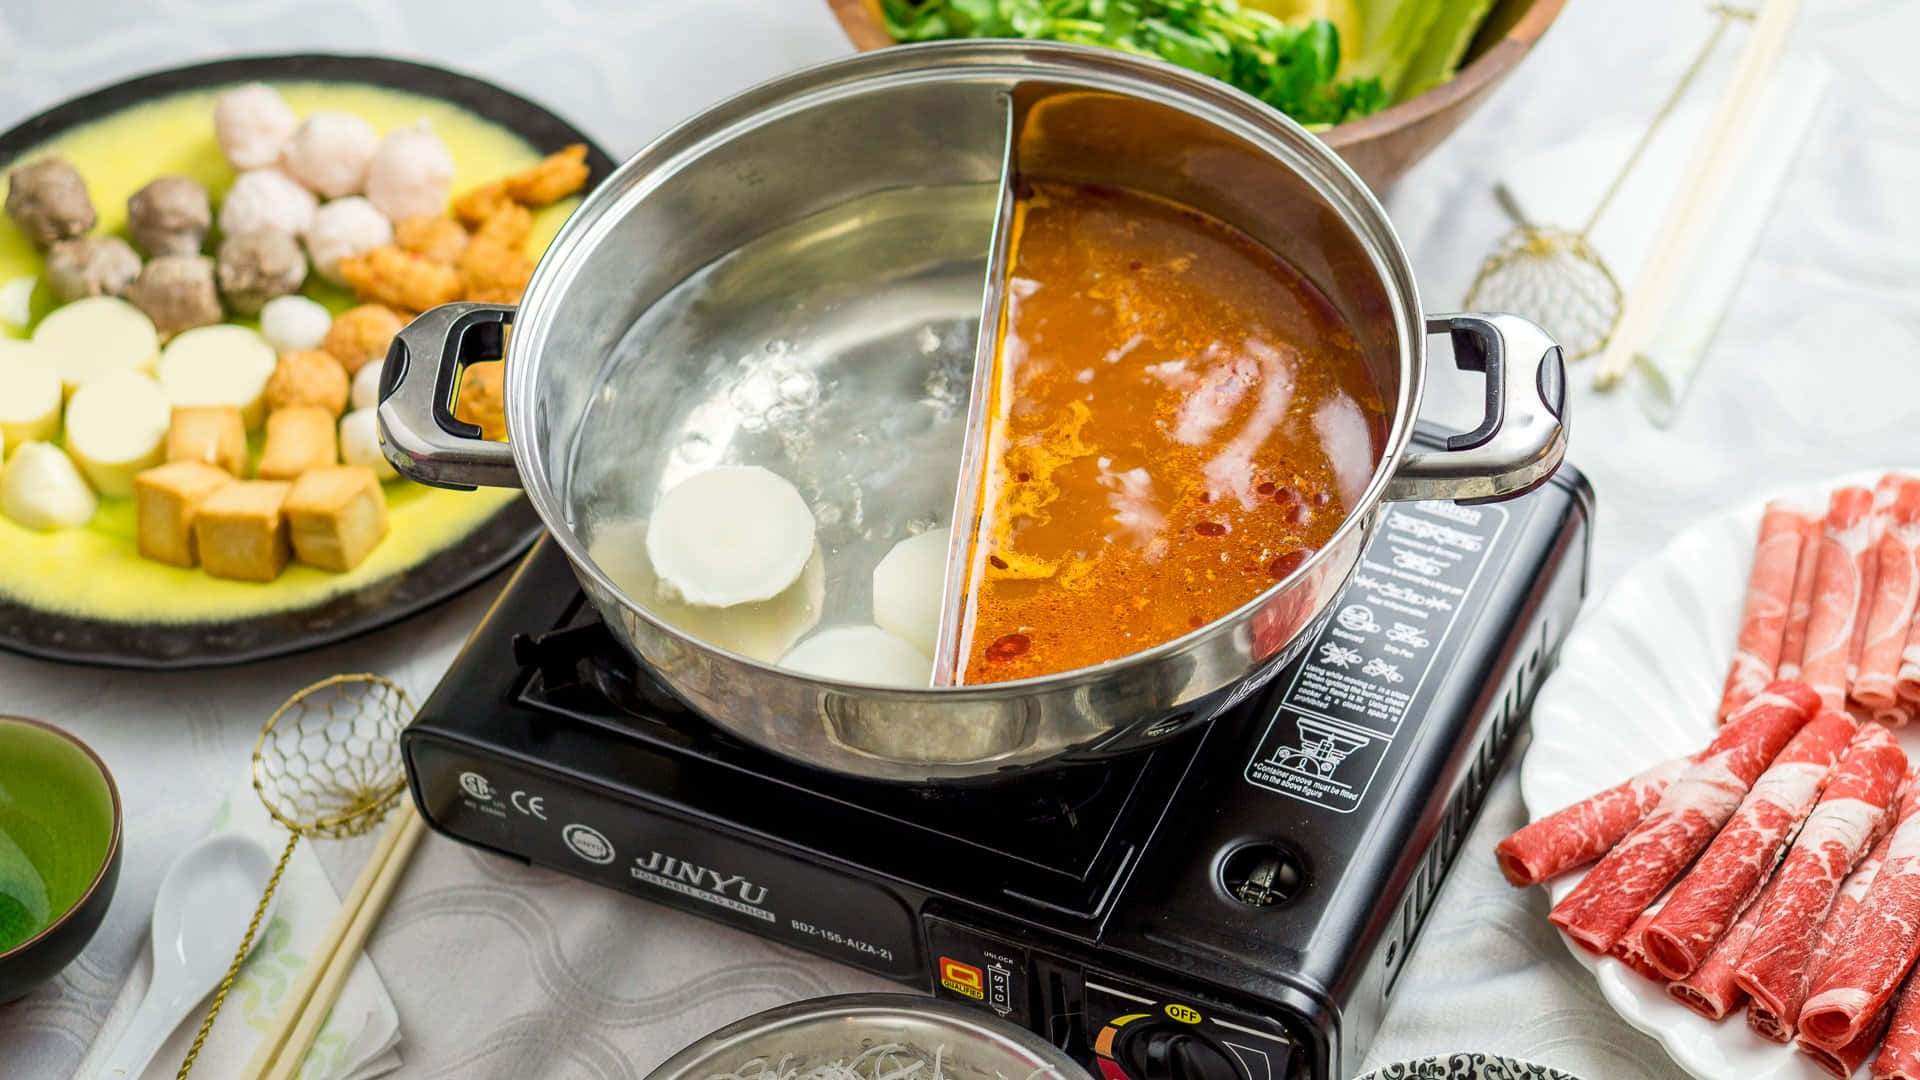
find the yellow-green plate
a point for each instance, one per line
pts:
(85, 595)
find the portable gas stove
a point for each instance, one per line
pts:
(1235, 903)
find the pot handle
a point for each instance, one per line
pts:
(418, 431)
(1522, 436)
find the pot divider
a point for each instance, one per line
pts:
(963, 549)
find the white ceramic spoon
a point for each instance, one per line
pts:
(201, 913)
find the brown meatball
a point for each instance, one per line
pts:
(170, 216)
(177, 293)
(48, 200)
(360, 335)
(258, 266)
(91, 266)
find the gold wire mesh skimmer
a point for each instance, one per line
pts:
(1553, 275)
(327, 763)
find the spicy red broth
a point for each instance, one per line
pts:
(1178, 420)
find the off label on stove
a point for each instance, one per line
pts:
(1364, 671)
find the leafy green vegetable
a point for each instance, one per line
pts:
(1446, 42)
(1391, 32)
(1292, 68)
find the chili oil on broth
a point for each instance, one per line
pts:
(1178, 421)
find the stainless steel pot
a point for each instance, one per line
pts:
(795, 278)
(970, 1042)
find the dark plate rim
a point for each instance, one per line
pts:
(496, 542)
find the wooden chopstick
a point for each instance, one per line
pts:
(1685, 224)
(284, 1048)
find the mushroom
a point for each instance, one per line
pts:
(330, 153)
(253, 123)
(48, 199)
(266, 199)
(91, 266)
(170, 216)
(255, 267)
(411, 173)
(344, 228)
(177, 293)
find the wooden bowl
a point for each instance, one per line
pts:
(1388, 143)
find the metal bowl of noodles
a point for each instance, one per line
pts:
(870, 1037)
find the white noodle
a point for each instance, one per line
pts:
(885, 1061)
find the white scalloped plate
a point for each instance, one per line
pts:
(1639, 678)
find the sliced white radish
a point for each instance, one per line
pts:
(360, 443)
(730, 535)
(29, 395)
(366, 387)
(762, 631)
(219, 365)
(97, 336)
(41, 489)
(907, 586)
(16, 301)
(117, 426)
(861, 654)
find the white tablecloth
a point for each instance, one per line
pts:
(504, 971)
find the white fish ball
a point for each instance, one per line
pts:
(267, 199)
(330, 153)
(411, 173)
(343, 228)
(294, 322)
(252, 124)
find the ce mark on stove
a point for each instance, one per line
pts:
(533, 806)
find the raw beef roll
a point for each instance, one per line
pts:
(1838, 589)
(1896, 590)
(1875, 950)
(1711, 989)
(1776, 559)
(1698, 802)
(1586, 830)
(1793, 637)
(1900, 1055)
(1735, 866)
(1854, 811)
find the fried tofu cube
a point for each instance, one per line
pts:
(400, 279)
(432, 236)
(298, 438)
(554, 178)
(336, 515)
(241, 532)
(166, 499)
(308, 377)
(213, 435)
(482, 398)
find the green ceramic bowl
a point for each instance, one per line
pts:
(59, 851)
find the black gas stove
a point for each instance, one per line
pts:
(1233, 905)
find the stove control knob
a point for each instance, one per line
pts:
(1161, 1051)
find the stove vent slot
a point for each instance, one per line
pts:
(1457, 820)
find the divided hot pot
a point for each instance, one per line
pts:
(809, 277)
